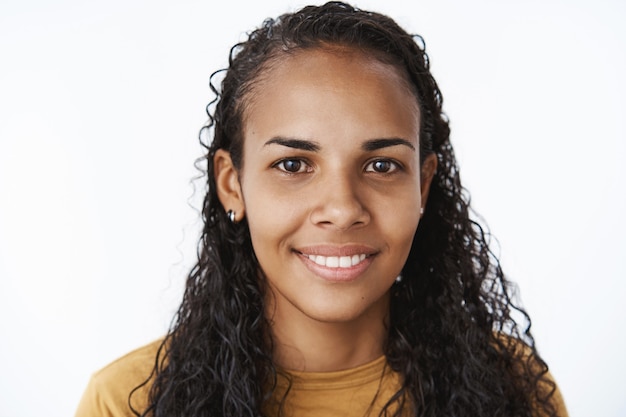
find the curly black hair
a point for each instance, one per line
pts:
(452, 336)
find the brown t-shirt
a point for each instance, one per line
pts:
(107, 394)
(356, 392)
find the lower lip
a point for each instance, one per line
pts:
(337, 274)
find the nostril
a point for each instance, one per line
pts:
(343, 208)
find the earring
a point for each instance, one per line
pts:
(399, 278)
(421, 211)
(231, 216)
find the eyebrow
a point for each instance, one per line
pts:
(305, 145)
(375, 144)
(311, 146)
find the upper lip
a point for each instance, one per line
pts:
(333, 250)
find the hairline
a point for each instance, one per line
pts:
(277, 55)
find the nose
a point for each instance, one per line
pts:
(340, 203)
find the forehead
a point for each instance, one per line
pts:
(332, 61)
(331, 83)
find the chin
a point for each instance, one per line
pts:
(337, 312)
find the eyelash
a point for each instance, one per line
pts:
(393, 166)
(369, 167)
(280, 165)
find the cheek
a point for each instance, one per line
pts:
(271, 216)
(404, 234)
(399, 220)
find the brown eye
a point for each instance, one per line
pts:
(382, 166)
(292, 166)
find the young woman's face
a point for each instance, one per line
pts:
(331, 182)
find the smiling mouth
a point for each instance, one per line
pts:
(337, 261)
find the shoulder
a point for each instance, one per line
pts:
(109, 389)
(531, 365)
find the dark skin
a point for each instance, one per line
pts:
(332, 189)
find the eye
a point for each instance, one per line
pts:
(382, 166)
(292, 166)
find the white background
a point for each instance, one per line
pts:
(100, 105)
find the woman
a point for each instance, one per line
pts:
(339, 271)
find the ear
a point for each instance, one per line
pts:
(429, 167)
(227, 182)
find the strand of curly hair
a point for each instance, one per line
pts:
(452, 334)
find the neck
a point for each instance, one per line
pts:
(302, 343)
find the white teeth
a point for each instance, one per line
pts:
(345, 261)
(332, 261)
(337, 261)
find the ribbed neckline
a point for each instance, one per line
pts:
(353, 377)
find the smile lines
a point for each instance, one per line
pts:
(337, 261)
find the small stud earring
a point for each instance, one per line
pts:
(231, 216)
(399, 278)
(421, 211)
